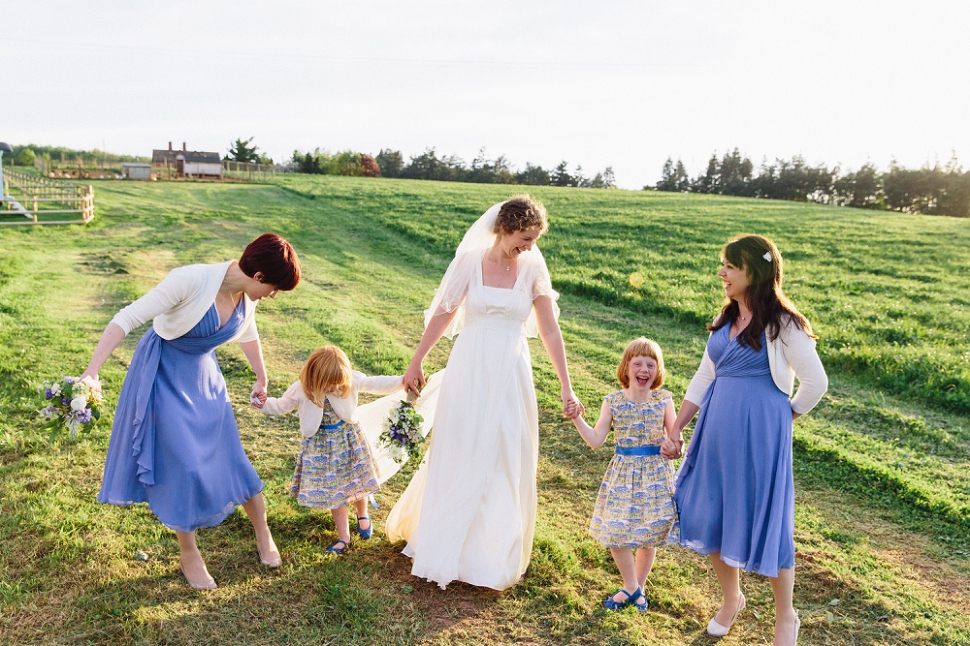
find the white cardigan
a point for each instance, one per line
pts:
(792, 354)
(345, 407)
(180, 301)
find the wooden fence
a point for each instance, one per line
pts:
(230, 170)
(248, 171)
(36, 198)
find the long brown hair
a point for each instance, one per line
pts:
(770, 308)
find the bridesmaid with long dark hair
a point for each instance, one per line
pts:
(734, 490)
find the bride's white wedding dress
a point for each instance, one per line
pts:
(469, 512)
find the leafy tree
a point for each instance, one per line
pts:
(25, 157)
(533, 176)
(609, 179)
(242, 151)
(370, 166)
(390, 162)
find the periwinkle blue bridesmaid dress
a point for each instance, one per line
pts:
(174, 443)
(734, 490)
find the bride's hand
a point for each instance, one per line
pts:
(414, 379)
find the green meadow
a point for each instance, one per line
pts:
(881, 465)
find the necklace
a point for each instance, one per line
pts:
(508, 266)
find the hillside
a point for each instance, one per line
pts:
(883, 507)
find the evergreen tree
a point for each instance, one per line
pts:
(242, 151)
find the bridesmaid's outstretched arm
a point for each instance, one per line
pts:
(111, 338)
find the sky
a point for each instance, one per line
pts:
(598, 84)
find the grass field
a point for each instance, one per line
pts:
(881, 466)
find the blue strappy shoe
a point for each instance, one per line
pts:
(631, 600)
(333, 549)
(365, 533)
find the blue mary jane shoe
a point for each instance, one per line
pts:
(631, 600)
(334, 549)
(365, 533)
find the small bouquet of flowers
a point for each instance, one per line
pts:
(402, 431)
(72, 403)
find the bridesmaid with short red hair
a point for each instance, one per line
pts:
(174, 443)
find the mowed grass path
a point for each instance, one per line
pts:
(881, 465)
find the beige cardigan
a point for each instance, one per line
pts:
(180, 301)
(345, 407)
(792, 354)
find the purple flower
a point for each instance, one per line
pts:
(48, 394)
(70, 380)
(65, 401)
(84, 415)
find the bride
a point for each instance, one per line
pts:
(468, 513)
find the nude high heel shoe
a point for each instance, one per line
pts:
(715, 629)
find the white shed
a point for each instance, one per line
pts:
(137, 171)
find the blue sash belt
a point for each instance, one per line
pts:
(330, 427)
(638, 450)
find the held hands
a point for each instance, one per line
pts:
(672, 448)
(258, 397)
(571, 406)
(414, 379)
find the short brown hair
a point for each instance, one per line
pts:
(520, 213)
(274, 258)
(327, 368)
(642, 347)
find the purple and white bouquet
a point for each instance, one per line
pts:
(72, 403)
(402, 431)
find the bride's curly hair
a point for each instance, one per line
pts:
(770, 308)
(520, 213)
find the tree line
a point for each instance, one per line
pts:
(447, 168)
(25, 155)
(932, 190)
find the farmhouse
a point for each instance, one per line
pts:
(188, 163)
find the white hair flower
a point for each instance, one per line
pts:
(767, 256)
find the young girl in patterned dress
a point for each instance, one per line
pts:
(635, 506)
(335, 466)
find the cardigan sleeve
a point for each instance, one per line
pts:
(801, 355)
(284, 404)
(377, 385)
(173, 289)
(701, 381)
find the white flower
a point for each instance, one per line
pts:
(767, 256)
(79, 403)
(55, 389)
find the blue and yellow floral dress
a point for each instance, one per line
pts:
(335, 466)
(635, 506)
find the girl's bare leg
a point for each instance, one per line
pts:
(341, 522)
